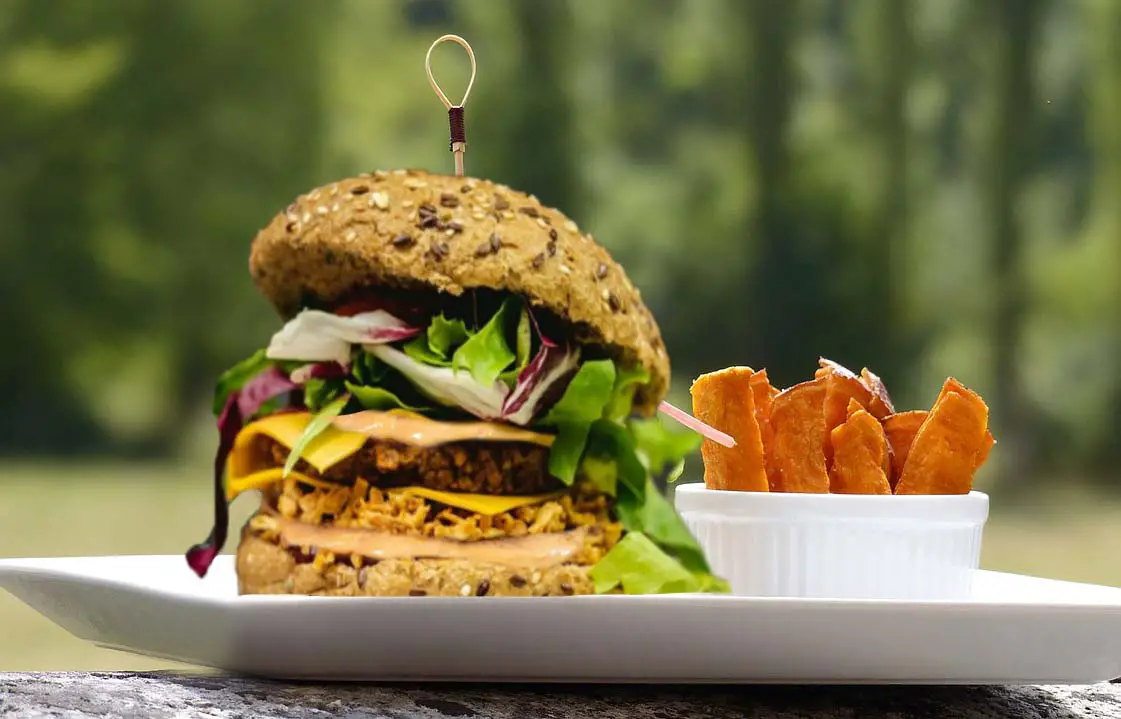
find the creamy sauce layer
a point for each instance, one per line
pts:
(533, 550)
(411, 429)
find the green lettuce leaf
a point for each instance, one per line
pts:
(639, 566)
(235, 377)
(653, 514)
(581, 405)
(523, 345)
(314, 428)
(444, 335)
(379, 398)
(419, 349)
(659, 446)
(622, 394)
(318, 393)
(639, 504)
(487, 353)
(435, 346)
(367, 369)
(603, 474)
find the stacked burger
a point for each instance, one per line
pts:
(459, 404)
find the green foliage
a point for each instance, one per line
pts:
(924, 188)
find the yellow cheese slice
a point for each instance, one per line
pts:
(325, 451)
(348, 433)
(266, 478)
(485, 504)
(247, 470)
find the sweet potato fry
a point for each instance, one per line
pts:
(841, 387)
(946, 449)
(953, 385)
(764, 395)
(860, 453)
(797, 457)
(880, 405)
(725, 400)
(900, 429)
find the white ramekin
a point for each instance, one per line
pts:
(838, 545)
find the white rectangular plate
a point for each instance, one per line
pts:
(1015, 630)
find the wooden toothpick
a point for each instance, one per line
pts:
(458, 141)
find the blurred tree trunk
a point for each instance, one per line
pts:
(1014, 30)
(885, 42)
(778, 303)
(1105, 140)
(529, 137)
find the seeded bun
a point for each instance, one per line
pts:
(266, 568)
(412, 229)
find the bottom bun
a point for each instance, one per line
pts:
(264, 567)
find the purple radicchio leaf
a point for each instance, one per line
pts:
(549, 366)
(318, 370)
(317, 336)
(240, 405)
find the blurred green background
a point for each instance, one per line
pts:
(925, 187)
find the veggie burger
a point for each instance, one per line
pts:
(460, 404)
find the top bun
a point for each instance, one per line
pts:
(412, 229)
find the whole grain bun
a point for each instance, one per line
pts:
(413, 229)
(267, 568)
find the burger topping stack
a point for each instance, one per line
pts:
(436, 419)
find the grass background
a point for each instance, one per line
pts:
(91, 509)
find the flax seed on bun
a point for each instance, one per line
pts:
(412, 229)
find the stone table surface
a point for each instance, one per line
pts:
(171, 694)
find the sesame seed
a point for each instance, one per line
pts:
(321, 210)
(334, 190)
(400, 172)
(479, 215)
(313, 195)
(306, 218)
(605, 294)
(541, 221)
(415, 184)
(465, 590)
(565, 270)
(407, 204)
(571, 226)
(335, 207)
(379, 200)
(351, 235)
